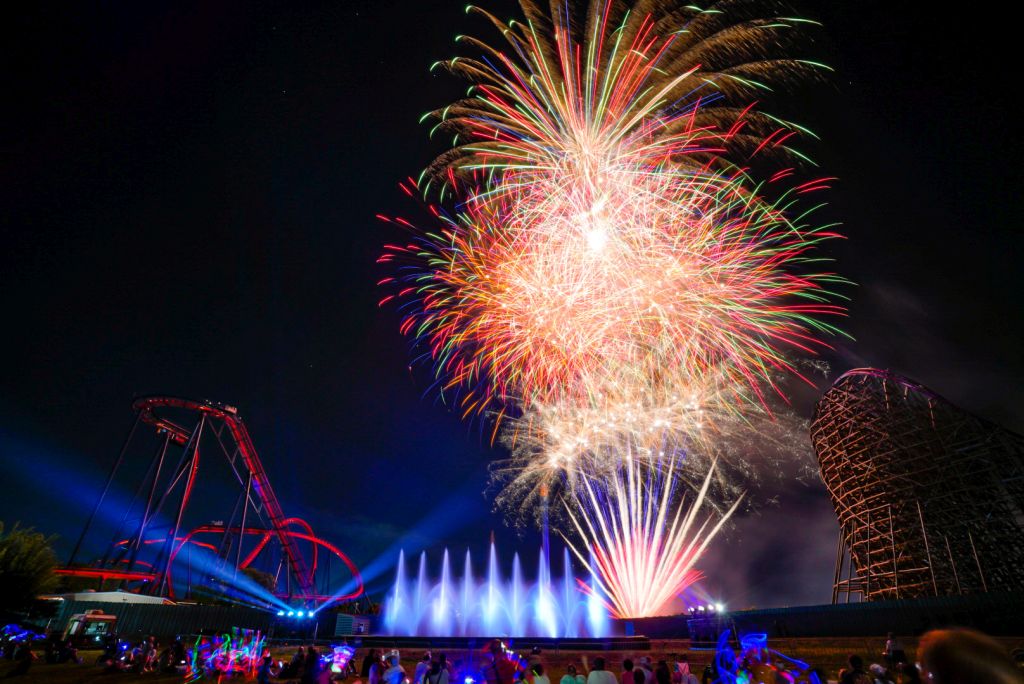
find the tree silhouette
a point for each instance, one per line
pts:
(26, 567)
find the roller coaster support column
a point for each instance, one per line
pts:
(241, 531)
(141, 537)
(173, 532)
(103, 492)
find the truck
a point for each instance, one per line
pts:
(89, 629)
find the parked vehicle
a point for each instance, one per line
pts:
(89, 629)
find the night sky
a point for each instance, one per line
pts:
(189, 192)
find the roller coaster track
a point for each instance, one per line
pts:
(237, 445)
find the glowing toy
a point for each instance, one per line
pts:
(237, 653)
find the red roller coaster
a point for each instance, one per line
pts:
(152, 524)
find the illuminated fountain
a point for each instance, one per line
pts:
(492, 606)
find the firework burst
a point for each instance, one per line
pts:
(569, 289)
(654, 71)
(641, 543)
(602, 233)
(610, 282)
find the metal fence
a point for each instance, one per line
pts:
(166, 621)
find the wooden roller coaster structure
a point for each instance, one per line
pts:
(930, 499)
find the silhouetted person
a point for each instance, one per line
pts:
(421, 668)
(647, 669)
(879, 674)
(70, 653)
(311, 667)
(395, 674)
(110, 648)
(599, 675)
(964, 656)
(264, 674)
(894, 653)
(683, 663)
(571, 676)
(627, 671)
(23, 659)
(855, 673)
(500, 670)
(909, 674)
(376, 671)
(438, 672)
(294, 666)
(662, 674)
(448, 667)
(179, 657)
(368, 660)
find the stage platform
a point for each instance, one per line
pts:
(997, 614)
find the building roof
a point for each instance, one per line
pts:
(110, 597)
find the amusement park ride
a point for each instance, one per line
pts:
(145, 552)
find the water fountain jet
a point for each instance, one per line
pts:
(492, 606)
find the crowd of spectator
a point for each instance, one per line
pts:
(957, 656)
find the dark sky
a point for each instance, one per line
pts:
(189, 192)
